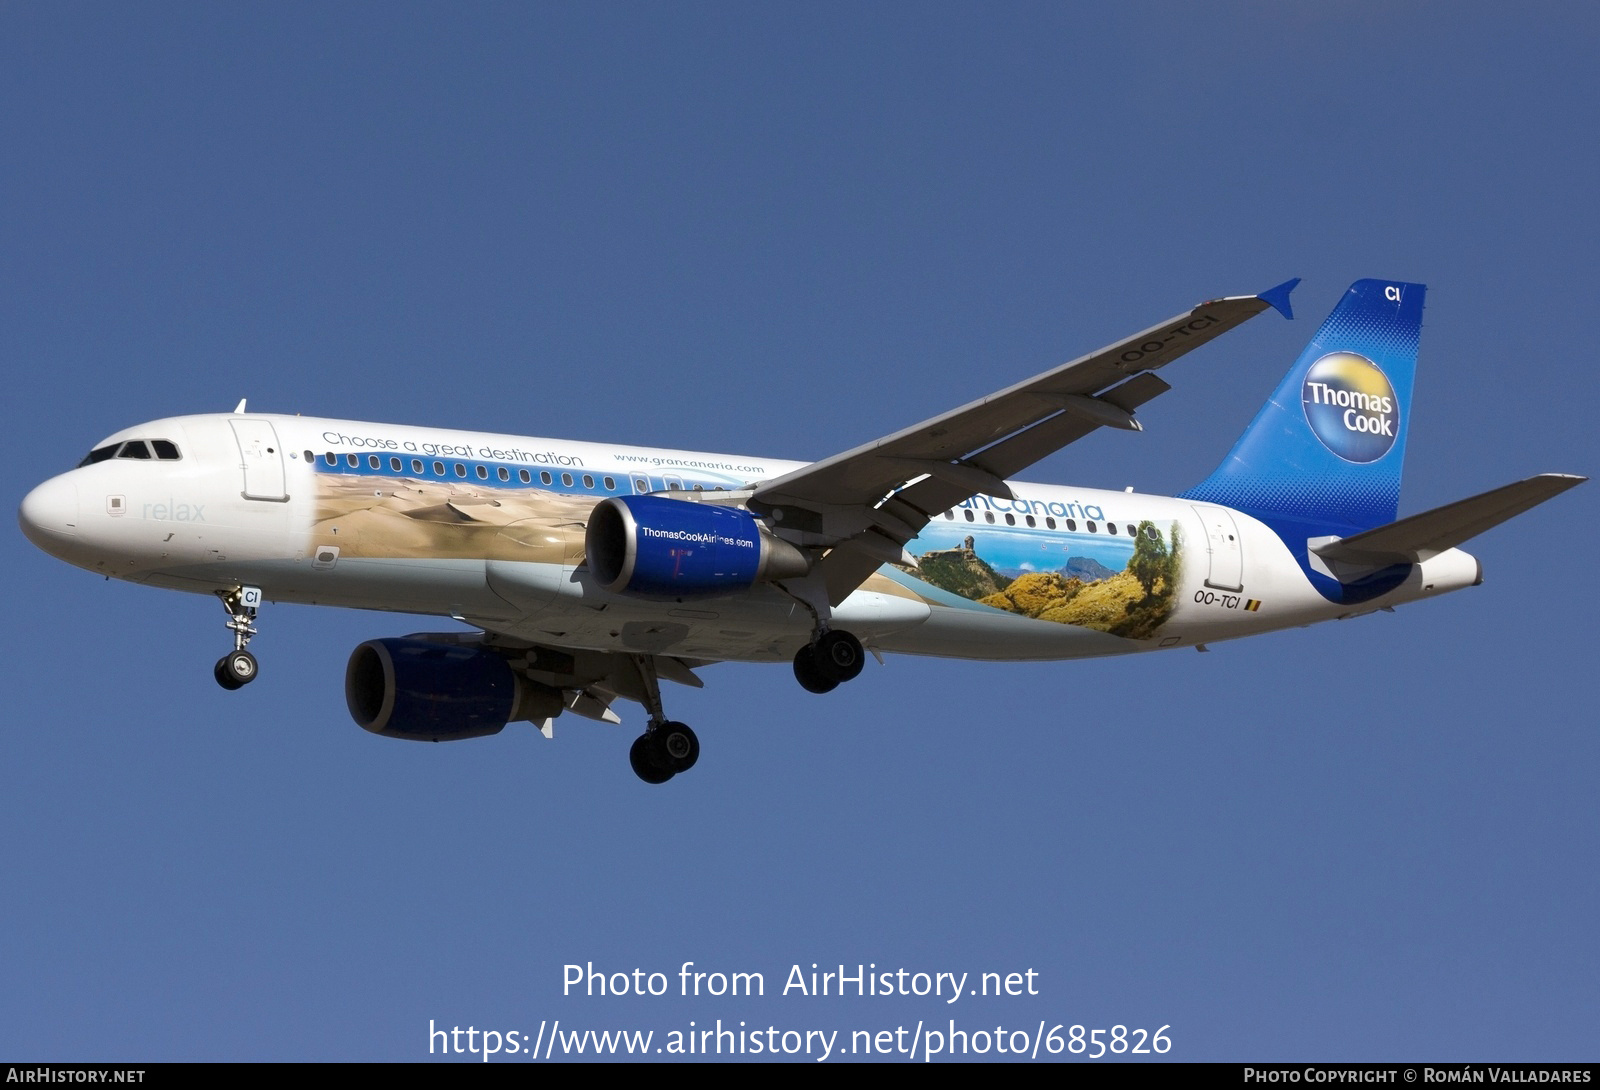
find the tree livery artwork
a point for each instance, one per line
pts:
(1132, 602)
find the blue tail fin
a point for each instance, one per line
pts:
(1323, 456)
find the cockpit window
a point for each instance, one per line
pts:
(99, 454)
(165, 450)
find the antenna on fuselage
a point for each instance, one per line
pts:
(239, 408)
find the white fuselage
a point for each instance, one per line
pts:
(489, 529)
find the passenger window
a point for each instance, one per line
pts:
(416, 465)
(483, 473)
(544, 477)
(1111, 527)
(396, 464)
(1031, 522)
(1072, 526)
(988, 516)
(330, 459)
(968, 513)
(438, 469)
(461, 470)
(1011, 520)
(611, 485)
(640, 485)
(524, 476)
(134, 448)
(373, 462)
(352, 461)
(566, 480)
(950, 516)
(1152, 533)
(503, 473)
(310, 457)
(1090, 525)
(588, 481)
(1050, 522)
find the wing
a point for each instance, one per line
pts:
(864, 505)
(585, 683)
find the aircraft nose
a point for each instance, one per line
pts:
(49, 515)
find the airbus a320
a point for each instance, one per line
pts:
(590, 572)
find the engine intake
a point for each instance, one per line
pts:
(658, 547)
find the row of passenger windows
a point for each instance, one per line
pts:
(1071, 525)
(166, 451)
(141, 449)
(421, 467)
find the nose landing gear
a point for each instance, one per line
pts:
(238, 668)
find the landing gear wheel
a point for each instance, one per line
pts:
(648, 760)
(236, 669)
(840, 656)
(678, 746)
(808, 672)
(225, 679)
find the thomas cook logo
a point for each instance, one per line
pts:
(1351, 406)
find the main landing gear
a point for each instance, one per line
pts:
(828, 661)
(238, 667)
(666, 748)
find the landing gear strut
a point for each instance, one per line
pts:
(238, 667)
(828, 661)
(666, 748)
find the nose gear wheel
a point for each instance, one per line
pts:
(239, 667)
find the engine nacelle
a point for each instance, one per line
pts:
(660, 547)
(430, 692)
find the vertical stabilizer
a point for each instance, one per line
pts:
(1323, 456)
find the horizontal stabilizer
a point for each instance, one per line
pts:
(1419, 537)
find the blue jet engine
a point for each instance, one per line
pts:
(431, 692)
(657, 547)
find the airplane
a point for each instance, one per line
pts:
(590, 572)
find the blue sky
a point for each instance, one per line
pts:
(782, 231)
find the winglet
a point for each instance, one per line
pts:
(1278, 297)
(239, 408)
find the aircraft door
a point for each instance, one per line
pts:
(1226, 557)
(262, 457)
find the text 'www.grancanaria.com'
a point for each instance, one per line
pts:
(921, 1042)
